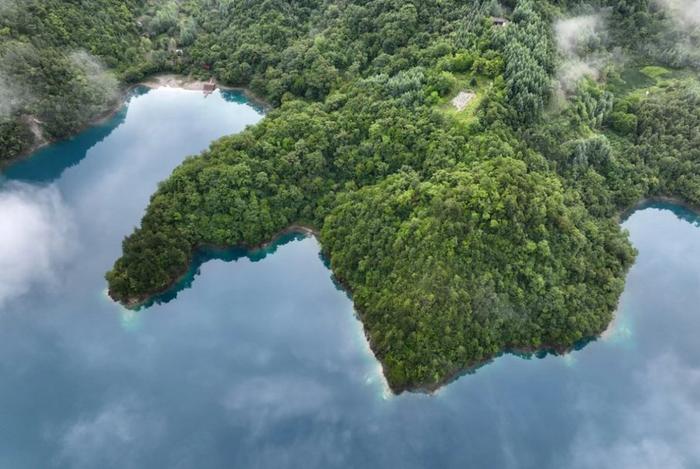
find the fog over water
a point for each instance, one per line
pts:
(259, 361)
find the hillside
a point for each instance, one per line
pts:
(460, 233)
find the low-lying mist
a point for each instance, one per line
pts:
(582, 42)
(685, 13)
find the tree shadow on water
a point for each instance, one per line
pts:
(208, 253)
(243, 97)
(48, 164)
(682, 211)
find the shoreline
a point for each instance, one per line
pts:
(452, 376)
(186, 82)
(431, 389)
(310, 231)
(164, 80)
(663, 199)
(549, 349)
(135, 303)
(44, 142)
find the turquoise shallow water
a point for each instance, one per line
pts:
(258, 361)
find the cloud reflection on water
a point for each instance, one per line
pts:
(37, 236)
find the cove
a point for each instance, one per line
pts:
(262, 363)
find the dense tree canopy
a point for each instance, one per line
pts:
(451, 270)
(53, 59)
(460, 234)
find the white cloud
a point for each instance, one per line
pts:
(264, 404)
(278, 397)
(265, 401)
(16, 93)
(572, 33)
(575, 69)
(580, 40)
(99, 80)
(12, 97)
(661, 430)
(36, 238)
(115, 436)
(685, 12)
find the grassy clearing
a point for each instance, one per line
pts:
(470, 83)
(635, 78)
(655, 72)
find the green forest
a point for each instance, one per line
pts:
(461, 233)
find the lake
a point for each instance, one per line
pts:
(258, 360)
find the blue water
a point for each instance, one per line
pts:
(258, 360)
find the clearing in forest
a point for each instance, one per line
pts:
(461, 101)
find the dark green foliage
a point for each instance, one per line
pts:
(448, 272)
(15, 136)
(73, 88)
(528, 54)
(459, 237)
(456, 243)
(53, 56)
(624, 123)
(668, 141)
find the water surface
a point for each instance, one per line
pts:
(261, 362)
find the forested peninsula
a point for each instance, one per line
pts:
(465, 163)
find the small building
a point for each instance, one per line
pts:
(209, 87)
(498, 21)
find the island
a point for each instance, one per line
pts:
(464, 165)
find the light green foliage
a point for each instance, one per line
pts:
(655, 72)
(53, 64)
(460, 235)
(457, 241)
(449, 271)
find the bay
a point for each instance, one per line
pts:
(257, 359)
